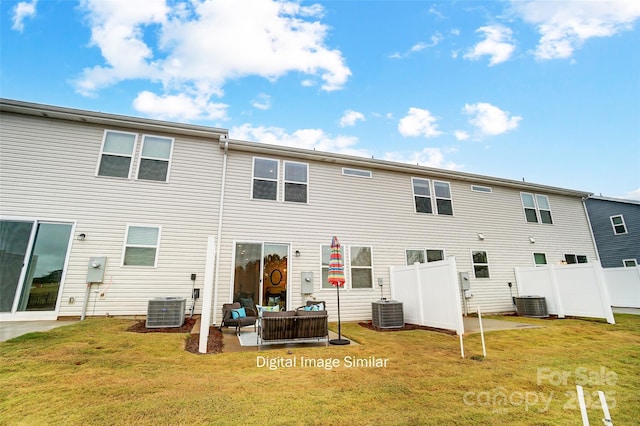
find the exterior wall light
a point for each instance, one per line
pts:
(532, 240)
(480, 236)
(82, 236)
(297, 253)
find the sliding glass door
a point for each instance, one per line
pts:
(33, 256)
(260, 274)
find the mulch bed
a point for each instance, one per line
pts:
(406, 327)
(214, 343)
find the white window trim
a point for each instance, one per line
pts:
(431, 195)
(156, 246)
(276, 180)
(133, 153)
(536, 208)
(141, 157)
(484, 190)
(285, 181)
(367, 174)
(473, 264)
(629, 260)
(533, 256)
(424, 251)
(436, 198)
(624, 224)
(371, 267)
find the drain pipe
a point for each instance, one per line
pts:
(223, 183)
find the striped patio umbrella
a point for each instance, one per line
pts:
(336, 265)
(336, 279)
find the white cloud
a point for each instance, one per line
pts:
(350, 118)
(632, 195)
(418, 122)
(565, 25)
(497, 45)
(181, 107)
(428, 157)
(421, 45)
(461, 135)
(197, 46)
(303, 138)
(491, 120)
(262, 101)
(21, 11)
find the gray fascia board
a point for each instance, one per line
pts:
(105, 119)
(371, 163)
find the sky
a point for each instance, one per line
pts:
(545, 91)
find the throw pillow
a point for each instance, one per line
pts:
(238, 313)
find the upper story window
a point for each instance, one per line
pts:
(629, 263)
(444, 204)
(422, 195)
(141, 246)
(575, 258)
(539, 259)
(295, 182)
(265, 179)
(536, 208)
(356, 172)
(361, 267)
(116, 156)
(618, 224)
(478, 188)
(155, 158)
(423, 255)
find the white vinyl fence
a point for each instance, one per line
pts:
(575, 290)
(429, 294)
(624, 286)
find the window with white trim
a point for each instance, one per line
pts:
(478, 188)
(356, 172)
(155, 158)
(423, 255)
(536, 208)
(422, 195)
(361, 262)
(444, 205)
(629, 263)
(539, 259)
(141, 246)
(116, 155)
(265, 179)
(326, 257)
(575, 258)
(480, 264)
(296, 182)
(619, 227)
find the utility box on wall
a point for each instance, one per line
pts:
(95, 269)
(465, 282)
(306, 283)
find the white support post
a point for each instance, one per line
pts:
(605, 409)
(484, 349)
(207, 297)
(583, 406)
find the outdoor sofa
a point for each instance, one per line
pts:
(307, 323)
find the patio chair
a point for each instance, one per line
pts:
(228, 320)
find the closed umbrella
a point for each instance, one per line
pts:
(336, 279)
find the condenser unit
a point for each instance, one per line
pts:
(532, 306)
(166, 312)
(387, 314)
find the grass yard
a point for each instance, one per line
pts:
(95, 372)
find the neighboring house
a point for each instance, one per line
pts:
(162, 201)
(616, 230)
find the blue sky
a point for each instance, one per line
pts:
(540, 90)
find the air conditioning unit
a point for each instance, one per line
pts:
(387, 314)
(532, 306)
(166, 312)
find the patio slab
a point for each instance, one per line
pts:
(472, 325)
(11, 329)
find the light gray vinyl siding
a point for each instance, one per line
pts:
(379, 212)
(47, 171)
(614, 248)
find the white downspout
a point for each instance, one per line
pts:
(220, 215)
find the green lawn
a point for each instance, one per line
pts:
(95, 372)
